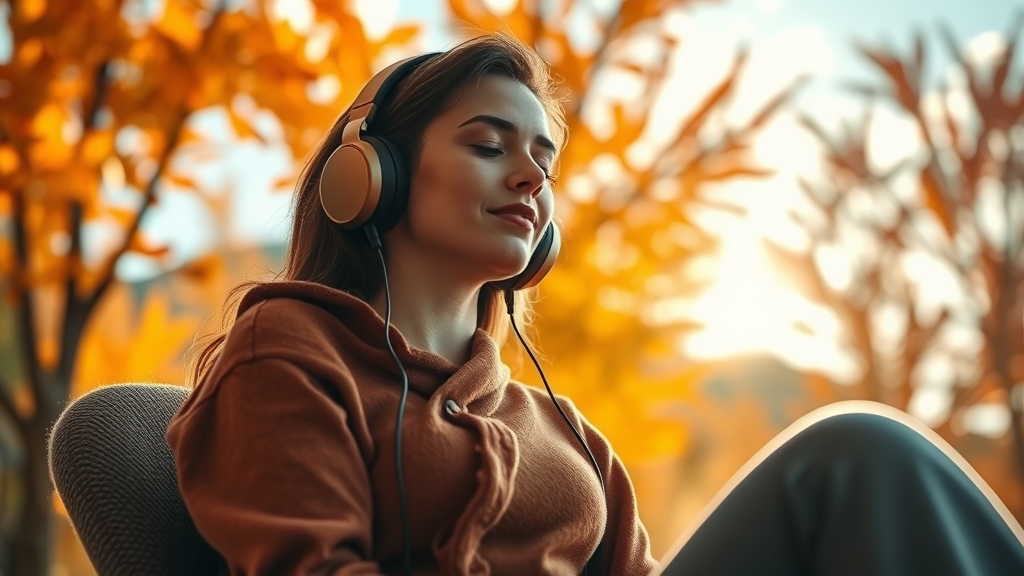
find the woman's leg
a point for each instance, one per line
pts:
(867, 492)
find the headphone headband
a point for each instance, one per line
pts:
(379, 88)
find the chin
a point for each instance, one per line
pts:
(493, 258)
(505, 266)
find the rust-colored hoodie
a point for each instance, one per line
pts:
(285, 455)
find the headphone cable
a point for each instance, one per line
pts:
(375, 242)
(510, 307)
(509, 304)
(374, 238)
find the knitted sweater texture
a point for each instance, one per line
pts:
(285, 455)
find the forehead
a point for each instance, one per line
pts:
(500, 96)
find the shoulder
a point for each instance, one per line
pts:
(289, 329)
(279, 341)
(539, 403)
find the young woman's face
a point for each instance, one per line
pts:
(479, 196)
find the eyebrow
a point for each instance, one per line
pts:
(506, 126)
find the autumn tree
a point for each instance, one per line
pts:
(96, 100)
(886, 239)
(608, 317)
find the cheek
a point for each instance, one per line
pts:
(438, 196)
(453, 183)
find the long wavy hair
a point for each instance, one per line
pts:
(323, 252)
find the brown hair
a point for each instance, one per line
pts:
(321, 251)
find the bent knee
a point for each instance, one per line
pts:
(862, 435)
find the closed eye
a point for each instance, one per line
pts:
(494, 151)
(490, 151)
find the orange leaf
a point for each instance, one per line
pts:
(124, 217)
(141, 246)
(179, 180)
(936, 203)
(97, 147)
(48, 122)
(29, 52)
(242, 128)
(31, 10)
(401, 35)
(9, 161)
(179, 25)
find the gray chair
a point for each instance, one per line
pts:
(115, 474)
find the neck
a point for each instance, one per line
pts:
(433, 312)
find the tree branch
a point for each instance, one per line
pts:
(174, 136)
(72, 305)
(89, 303)
(608, 35)
(24, 299)
(76, 310)
(101, 83)
(7, 409)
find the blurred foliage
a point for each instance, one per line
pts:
(96, 103)
(950, 210)
(99, 117)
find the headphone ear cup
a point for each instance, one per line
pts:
(347, 190)
(394, 188)
(541, 262)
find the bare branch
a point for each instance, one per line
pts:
(609, 33)
(101, 83)
(25, 301)
(711, 101)
(173, 136)
(9, 411)
(71, 329)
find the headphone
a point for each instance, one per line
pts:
(365, 181)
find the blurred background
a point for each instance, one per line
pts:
(770, 205)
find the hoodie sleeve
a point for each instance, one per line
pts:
(625, 547)
(272, 474)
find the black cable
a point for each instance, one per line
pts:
(374, 238)
(510, 307)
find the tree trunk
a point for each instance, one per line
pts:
(33, 542)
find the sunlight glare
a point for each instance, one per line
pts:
(500, 7)
(768, 6)
(987, 419)
(929, 404)
(112, 171)
(892, 137)
(748, 310)
(985, 48)
(298, 14)
(377, 16)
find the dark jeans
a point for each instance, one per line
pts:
(854, 494)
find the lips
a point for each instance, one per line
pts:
(521, 214)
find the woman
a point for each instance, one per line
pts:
(423, 218)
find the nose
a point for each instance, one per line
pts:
(527, 177)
